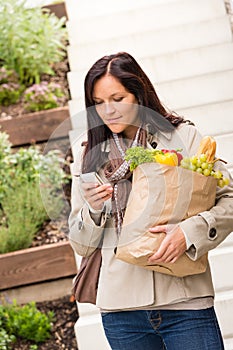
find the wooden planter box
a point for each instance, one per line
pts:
(37, 126)
(35, 265)
(58, 9)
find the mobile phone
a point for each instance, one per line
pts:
(91, 177)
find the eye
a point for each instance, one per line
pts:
(98, 103)
(118, 99)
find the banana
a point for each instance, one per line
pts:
(208, 147)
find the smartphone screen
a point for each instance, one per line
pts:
(91, 177)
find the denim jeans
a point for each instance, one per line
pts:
(163, 330)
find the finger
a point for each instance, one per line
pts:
(86, 186)
(160, 254)
(166, 258)
(170, 259)
(174, 259)
(105, 187)
(166, 251)
(103, 197)
(100, 191)
(159, 228)
(103, 191)
(98, 196)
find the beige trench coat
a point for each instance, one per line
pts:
(125, 286)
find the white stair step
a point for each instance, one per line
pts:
(85, 9)
(154, 17)
(189, 63)
(228, 343)
(200, 90)
(77, 115)
(168, 40)
(224, 309)
(228, 242)
(90, 333)
(175, 65)
(76, 106)
(221, 267)
(179, 94)
(85, 309)
(211, 119)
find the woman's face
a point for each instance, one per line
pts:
(116, 106)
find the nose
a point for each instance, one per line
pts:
(109, 108)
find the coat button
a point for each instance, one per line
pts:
(154, 144)
(212, 232)
(80, 225)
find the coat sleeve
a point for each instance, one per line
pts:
(208, 229)
(85, 234)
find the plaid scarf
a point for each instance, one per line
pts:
(119, 175)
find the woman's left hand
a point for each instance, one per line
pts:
(173, 245)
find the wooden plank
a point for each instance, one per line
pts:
(37, 126)
(58, 9)
(38, 264)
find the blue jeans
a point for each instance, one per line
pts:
(163, 330)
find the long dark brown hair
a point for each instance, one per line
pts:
(125, 68)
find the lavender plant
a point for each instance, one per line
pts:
(30, 192)
(43, 96)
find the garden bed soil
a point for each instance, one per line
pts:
(62, 335)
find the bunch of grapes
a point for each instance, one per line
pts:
(202, 166)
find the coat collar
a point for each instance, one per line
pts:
(158, 136)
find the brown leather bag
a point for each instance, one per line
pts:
(86, 281)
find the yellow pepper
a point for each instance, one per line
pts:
(168, 158)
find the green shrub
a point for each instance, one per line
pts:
(31, 40)
(5, 145)
(25, 322)
(30, 193)
(43, 96)
(10, 89)
(5, 339)
(9, 94)
(22, 218)
(7, 76)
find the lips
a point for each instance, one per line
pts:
(113, 120)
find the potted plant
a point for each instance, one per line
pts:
(32, 102)
(30, 194)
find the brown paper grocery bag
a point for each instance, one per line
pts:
(163, 194)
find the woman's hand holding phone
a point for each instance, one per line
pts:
(95, 191)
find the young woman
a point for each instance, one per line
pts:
(142, 309)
